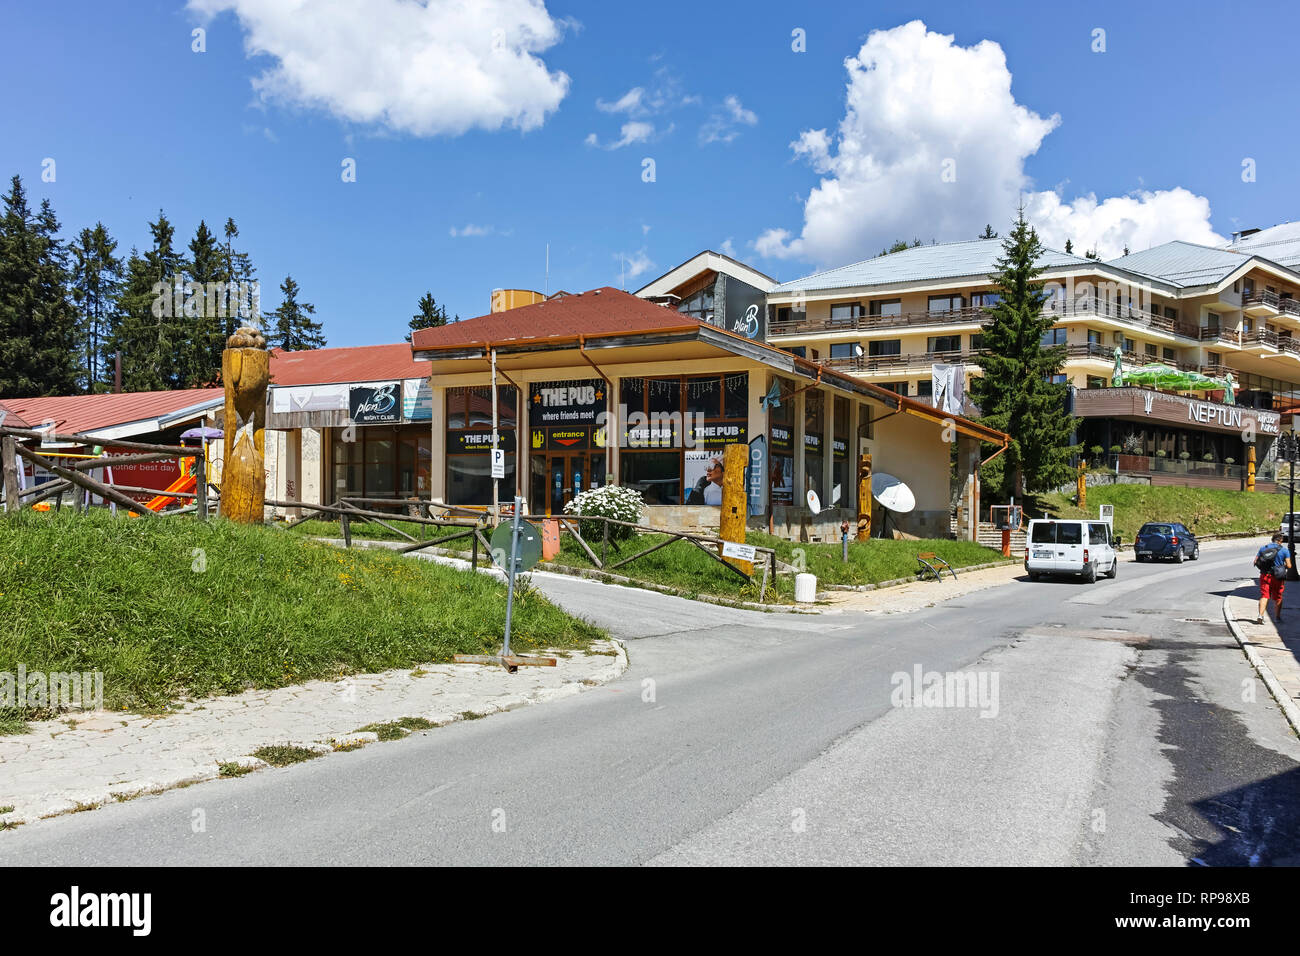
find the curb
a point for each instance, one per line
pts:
(1289, 708)
(898, 582)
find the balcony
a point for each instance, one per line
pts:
(1260, 303)
(974, 316)
(1153, 465)
(1101, 353)
(899, 364)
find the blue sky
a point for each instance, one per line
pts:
(135, 121)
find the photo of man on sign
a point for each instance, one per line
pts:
(704, 473)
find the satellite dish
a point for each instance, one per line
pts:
(814, 503)
(892, 493)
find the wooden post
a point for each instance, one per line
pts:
(731, 523)
(346, 521)
(864, 497)
(1081, 485)
(201, 485)
(10, 464)
(1250, 467)
(245, 372)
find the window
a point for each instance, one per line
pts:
(885, 347)
(656, 474)
(886, 307)
(1150, 350)
(1130, 345)
(943, 343)
(1053, 337)
(1171, 313)
(925, 388)
(840, 454)
(699, 305)
(799, 350)
(898, 388)
(1095, 337)
(846, 350)
(469, 443)
(1096, 381)
(1214, 358)
(1170, 355)
(985, 300)
(1212, 320)
(814, 434)
(1057, 379)
(946, 303)
(977, 342)
(787, 315)
(845, 311)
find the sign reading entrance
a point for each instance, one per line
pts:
(375, 404)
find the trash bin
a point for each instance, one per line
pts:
(805, 588)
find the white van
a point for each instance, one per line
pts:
(1070, 547)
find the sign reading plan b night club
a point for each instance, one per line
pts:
(375, 404)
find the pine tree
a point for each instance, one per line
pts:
(205, 308)
(244, 301)
(38, 324)
(1015, 391)
(988, 232)
(97, 282)
(150, 335)
(292, 327)
(430, 316)
(1069, 247)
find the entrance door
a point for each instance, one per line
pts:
(559, 476)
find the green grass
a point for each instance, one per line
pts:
(282, 755)
(232, 769)
(1203, 510)
(125, 596)
(684, 566)
(377, 532)
(396, 729)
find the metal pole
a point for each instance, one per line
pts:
(1290, 518)
(496, 482)
(510, 576)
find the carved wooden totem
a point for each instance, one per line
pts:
(245, 370)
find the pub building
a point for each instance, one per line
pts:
(603, 386)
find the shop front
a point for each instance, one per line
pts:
(603, 387)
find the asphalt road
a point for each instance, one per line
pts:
(1115, 723)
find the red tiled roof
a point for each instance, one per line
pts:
(81, 413)
(364, 363)
(594, 312)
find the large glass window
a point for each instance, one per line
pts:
(780, 436)
(814, 435)
(886, 307)
(469, 444)
(382, 462)
(698, 305)
(656, 474)
(1053, 337)
(943, 343)
(885, 347)
(946, 303)
(845, 311)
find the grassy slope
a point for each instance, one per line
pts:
(1204, 510)
(682, 565)
(122, 596)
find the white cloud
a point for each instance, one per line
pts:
(727, 248)
(634, 131)
(471, 230)
(424, 69)
(934, 144)
(723, 125)
(629, 102)
(633, 264)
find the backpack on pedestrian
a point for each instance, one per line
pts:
(1266, 560)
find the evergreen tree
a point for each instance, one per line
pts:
(430, 316)
(988, 232)
(1092, 254)
(150, 335)
(244, 304)
(292, 327)
(1015, 392)
(97, 283)
(205, 308)
(38, 324)
(1069, 247)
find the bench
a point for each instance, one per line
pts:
(932, 563)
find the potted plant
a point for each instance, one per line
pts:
(1229, 461)
(1208, 456)
(1183, 456)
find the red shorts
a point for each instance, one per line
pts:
(1270, 587)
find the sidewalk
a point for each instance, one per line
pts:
(1273, 649)
(902, 598)
(83, 760)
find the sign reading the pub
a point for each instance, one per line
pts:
(575, 402)
(375, 404)
(478, 441)
(720, 433)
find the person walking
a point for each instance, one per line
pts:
(1273, 562)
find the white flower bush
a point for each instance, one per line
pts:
(610, 501)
